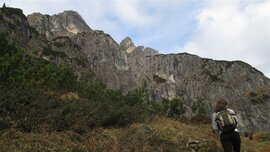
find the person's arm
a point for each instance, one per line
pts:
(214, 123)
(233, 114)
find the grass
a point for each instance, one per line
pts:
(44, 141)
(161, 134)
(260, 142)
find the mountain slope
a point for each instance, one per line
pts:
(126, 66)
(67, 23)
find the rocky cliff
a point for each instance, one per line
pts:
(195, 78)
(67, 23)
(66, 39)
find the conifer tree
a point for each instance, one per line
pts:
(4, 5)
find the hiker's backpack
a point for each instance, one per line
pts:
(225, 121)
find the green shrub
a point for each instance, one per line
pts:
(30, 88)
(198, 107)
(173, 108)
(176, 107)
(26, 108)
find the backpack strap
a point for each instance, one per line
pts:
(233, 114)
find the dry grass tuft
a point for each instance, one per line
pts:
(260, 142)
(159, 135)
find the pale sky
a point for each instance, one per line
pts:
(217, 29)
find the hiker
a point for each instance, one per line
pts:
(225, 124)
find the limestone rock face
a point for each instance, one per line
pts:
(194, 78)
(66, 39)
(69, 33)
(60, 50)
(67, 23)
(106, 58)
(127, 45)
(15, 24)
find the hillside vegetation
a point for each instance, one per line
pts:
(47, 107)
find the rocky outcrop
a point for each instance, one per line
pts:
(108, 61)
(136, 57)
(60, 50)
(67, 23)
(66, 39)
(15, 24)
(127, 45)
(194, 78)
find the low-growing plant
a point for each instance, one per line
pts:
(173, 108)
(29, 100)
(198, 107)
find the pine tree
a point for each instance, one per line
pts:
(4, 5)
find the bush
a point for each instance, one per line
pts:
(25, 108)
(198, 107)
(176, 107)
(18, 69)
(173, 108)
(29, 99)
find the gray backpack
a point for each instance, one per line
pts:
(225, 120)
